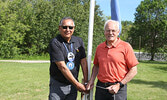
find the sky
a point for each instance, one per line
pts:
(127, 8)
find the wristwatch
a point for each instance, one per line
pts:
(85, 83)
(121, 84)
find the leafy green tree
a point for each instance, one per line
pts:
(27, 26)
(126, 26)
(98, 32)
(12, 30)
(150, 23)
(37, 39)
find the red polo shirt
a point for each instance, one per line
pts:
(115, 62)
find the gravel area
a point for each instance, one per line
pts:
(26, 61)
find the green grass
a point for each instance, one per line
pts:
(150, 83)
(136, 50)
(25, 81)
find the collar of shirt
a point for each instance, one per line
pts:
(115, 44)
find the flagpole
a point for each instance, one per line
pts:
(90, 41)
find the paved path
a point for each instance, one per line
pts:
(27, 61)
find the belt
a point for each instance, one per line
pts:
(105, 84)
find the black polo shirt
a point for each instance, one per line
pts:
(58, 52)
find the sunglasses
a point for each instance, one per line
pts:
(65, 27)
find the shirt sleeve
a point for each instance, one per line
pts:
(130, 57)
(95, 62)
(56, 53)
(82, 49)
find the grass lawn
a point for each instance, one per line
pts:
(150, 83)
(29, 81)
(24, 81)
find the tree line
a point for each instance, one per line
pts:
(27, 26)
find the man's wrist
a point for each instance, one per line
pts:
(121, 84)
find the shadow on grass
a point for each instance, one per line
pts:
(158, 65)
(161, 68)
(155, 84)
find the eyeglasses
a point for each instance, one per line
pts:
(108, 31)
(65, 27)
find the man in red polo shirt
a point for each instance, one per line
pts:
(114, 65)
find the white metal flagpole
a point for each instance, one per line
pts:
(90, 41)
(90, 35)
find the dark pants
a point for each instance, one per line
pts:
(103, 94)
(61, 91)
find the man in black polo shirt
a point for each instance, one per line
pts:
(67, 53)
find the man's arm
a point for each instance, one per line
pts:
(95, 71)
(84, 69)
(66, 72)
(129, 76)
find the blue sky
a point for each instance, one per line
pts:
(127, 8)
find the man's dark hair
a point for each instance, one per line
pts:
(60, 24)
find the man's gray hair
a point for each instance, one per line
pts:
(65, 18)
(117, 23)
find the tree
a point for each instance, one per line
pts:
(126, 26)
(150, 23)
(27, 26)
(12, 30)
